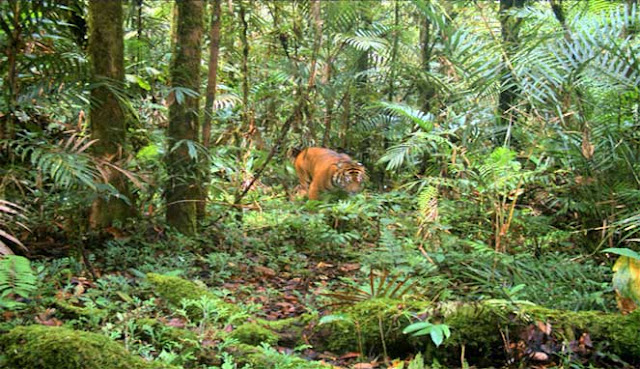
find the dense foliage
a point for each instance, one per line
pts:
(500, 139)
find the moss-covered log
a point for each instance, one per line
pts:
(484, 330)
(41, 347)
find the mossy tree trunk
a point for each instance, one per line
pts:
(107, 116)
(182, 190)
(214, 51)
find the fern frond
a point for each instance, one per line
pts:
(363, 40)
(423, 120)
(16, 279)
(428, 203)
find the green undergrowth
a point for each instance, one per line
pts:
(176, 300)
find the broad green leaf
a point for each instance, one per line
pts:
(436, 335)
(193, 151)
(626, 278)
(446, 330)
(334, 318)
(416, 327)
(623, 252)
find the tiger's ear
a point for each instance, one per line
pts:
(340, 164)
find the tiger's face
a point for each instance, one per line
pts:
(349, 176)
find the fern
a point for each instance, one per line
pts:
(428, 204)
(384, 286)
(17, 279)
(66, 163)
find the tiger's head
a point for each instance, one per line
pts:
(349, 176)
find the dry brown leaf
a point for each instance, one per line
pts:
(264, 271)
(349, 267)
(322, 265)
(79, 290)
(539, 356)
(587, 147)
(363, 366)
(544, 327)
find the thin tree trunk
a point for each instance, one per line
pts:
(510, 30)
(183, 188)
(328, 114)
(379, 175)
(317, 41)
(346, 117)
(214, 51)
(246, 124)
(309, 96)
(13, 34)
(427, 91)
(394, 51)
(77, 22)
(139, 4)
(558, 11)
(107, 117)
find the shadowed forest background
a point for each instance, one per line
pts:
(151, 216)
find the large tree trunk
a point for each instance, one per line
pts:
(510, 29)
(182, 188)
(108, 125)
(214, 51)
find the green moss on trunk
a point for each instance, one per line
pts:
(41, 347)
(184, 179)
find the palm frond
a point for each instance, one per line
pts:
(10, 219)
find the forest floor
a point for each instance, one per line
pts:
(283, 263)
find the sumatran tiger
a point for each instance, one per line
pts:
(321, 170)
